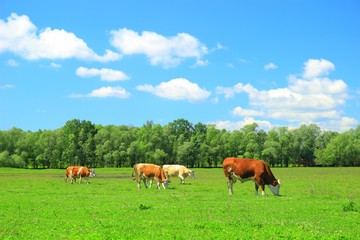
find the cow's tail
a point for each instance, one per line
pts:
(229, 171)
(133, 175)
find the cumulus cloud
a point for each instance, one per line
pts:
(21, 37)
(104, 92)
(242, 112)
(229, 125)
(177, 89)
(160, 50)
(317, 67)
(311, 98)
(230, 92)
(104, 73)
(270, 66)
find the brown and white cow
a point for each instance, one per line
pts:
(145, 171)
(249, 169)
(178, 171)
(74, 172)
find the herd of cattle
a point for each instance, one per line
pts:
(242, 169)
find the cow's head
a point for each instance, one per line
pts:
(275, 187)
(92, 173)
(192, 174)
(165, 183)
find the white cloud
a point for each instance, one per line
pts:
(55, 65)
(270, 66)
(20, 36)
(342, 124)
(303, 116)
(229, 125)
(160, 50)
(177, 89)
(230, 92)
(317, 67)
(104, 73)
(6, 86)
(311, 99)
(239, 111)
(218, 46)
(200, 63)
(104, 92)
(12, 63)
(229, 65)
(317, 85)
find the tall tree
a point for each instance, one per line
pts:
(271, 148)
(304, 143)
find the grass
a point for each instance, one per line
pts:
(315, 203)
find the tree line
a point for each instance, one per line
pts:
(179, 142)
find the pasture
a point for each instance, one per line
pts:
(315, 203)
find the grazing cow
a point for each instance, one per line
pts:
(178, 171)
(144, 171)
(68, 172)
(248, 169)
(74, 172)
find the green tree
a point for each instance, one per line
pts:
(251, 141)
(186, 154)
(80, 144)
(271, 148)
(304, 144)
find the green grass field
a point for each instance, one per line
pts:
(316, 203)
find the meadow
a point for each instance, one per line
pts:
(315, 203)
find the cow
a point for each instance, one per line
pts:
(246, 169)
(74, 172)
(178, 171)
(145, 171)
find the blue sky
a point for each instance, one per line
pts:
(229, 63)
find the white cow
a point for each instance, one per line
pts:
(178, 171)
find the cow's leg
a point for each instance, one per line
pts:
(144, 180)
(150, 182)
(158, 184)
(80, 180)
(182, 180)
(230, 186)
(87, 180)
(256, 189)
(259, 182)
(138, 182)
(262, 189)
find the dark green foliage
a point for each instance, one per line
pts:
(84, 143)
(349, 207)
(144, 207)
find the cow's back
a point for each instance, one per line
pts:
(171, 170)
(83, 172)
(143, 171)
(257, 170)
(149, 170)
(240, 166)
